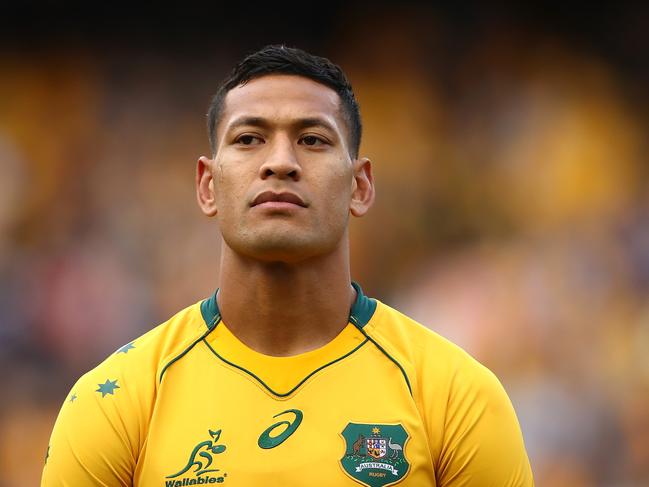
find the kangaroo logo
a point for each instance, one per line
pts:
(202, 456)
(356, 447)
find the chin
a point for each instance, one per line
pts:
(285, 251)
(285, 248)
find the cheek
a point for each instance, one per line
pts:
(230, 186)
(338, 192)
(343, 180)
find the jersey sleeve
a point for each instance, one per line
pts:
(482, 441)
(96, 436)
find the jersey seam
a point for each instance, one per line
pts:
(210, 327)
(299, 384)
(376, 344)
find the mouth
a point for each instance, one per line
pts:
(271, 199)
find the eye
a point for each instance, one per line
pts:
(247, 139)
(312, 140)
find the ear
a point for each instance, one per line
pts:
(205, 186)
(363, 188)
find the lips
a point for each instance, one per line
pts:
(284, 197)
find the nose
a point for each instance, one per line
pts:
(281, 161)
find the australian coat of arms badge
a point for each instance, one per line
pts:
(374, 453)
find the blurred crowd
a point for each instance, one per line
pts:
(512, 217)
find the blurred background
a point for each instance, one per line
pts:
(511, 156)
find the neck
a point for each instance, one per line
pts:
(285, 309)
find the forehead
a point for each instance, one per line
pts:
(282, 98)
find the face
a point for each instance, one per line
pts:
(282, 183)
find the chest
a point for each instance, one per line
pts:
(349, 423)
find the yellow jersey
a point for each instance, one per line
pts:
(386, 402)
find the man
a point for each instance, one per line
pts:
(288, 374)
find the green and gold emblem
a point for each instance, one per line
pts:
(200, 464)
(374, 453)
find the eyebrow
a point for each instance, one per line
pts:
(249, 121)
(261, 122)
(305, 123)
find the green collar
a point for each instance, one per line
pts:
(360, 313)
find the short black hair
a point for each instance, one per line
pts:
(279, 59)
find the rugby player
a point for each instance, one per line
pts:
(288, 374)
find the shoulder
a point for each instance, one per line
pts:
(103, 422)
(416, 344)
(125, 384)
(434, 365)
(136, 367)
(461, 402)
